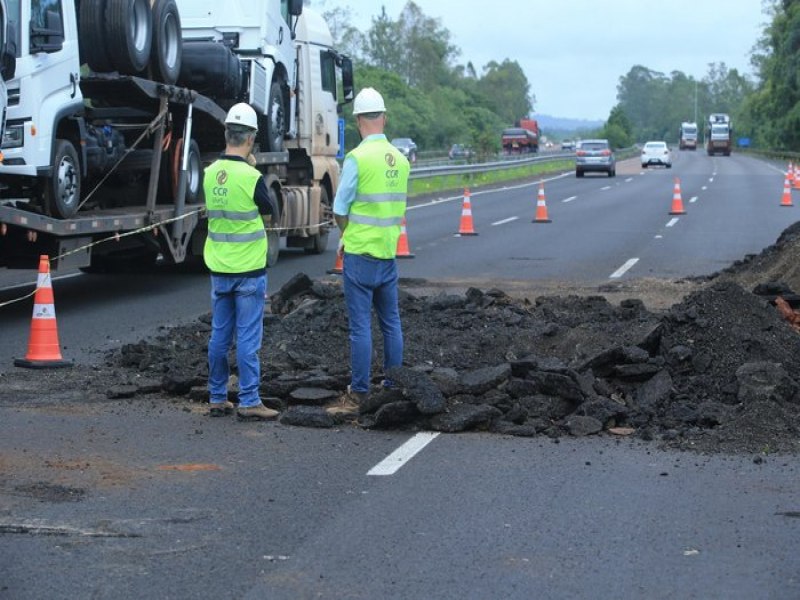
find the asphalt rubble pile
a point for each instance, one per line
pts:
(718, 372)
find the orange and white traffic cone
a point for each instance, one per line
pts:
(338, 266)
(786, 200)
(790, 175)
(466, 227)
(43, 349)
(402, 243)
(541, 207)
(677, 201)
(797, 177)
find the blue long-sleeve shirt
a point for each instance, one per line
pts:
(348, 182)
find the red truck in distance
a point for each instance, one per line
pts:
(522, 138)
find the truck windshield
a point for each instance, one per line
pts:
(722, 129)
(690, 131)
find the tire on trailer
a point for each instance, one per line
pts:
(273, 234)
(167, 46)
(319, 241)
(274, 122)
(194, 172)
(129, 34)
(62, 190)
(94, 50)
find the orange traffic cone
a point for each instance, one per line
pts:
(541, 207)
(786, 200)
(466, 227)
(790, 175)
(677, 201)
(338, 266)
(43, 350)
(797, 177)
(402, 243)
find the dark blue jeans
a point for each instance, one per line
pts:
(237, 306)
(371, 282)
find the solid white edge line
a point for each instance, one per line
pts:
(392, 463)
(504, 221)
(624, 268)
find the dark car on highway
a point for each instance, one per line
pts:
(459, 152)
(407, 147)
(594, 156)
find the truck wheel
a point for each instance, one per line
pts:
(194, 175)
(129, 34)
(319, 242)
(62, 191)
(167, 42)
(91, 23)
(275, 119)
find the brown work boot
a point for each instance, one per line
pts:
(259, 412)
(220, 409)
(348, 403)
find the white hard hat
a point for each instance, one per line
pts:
(368, 101)
(242, 114)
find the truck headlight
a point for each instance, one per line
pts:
(14, 136)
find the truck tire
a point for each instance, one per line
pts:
(275, 121)
(167, 47)
(194, 175)
(62, 192)
(93, 50)
(319, 242)
(129, 34)
(273, 235)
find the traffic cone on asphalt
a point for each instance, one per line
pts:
(338, 266)
(677, 201)
(466, 227)
(797, 177)
(786, 200)
(402, 243)
(790, 175)
(43, 349)
(541, 207)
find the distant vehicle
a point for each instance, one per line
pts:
(656, 153)
(460, 152)
(595, 156)
(687, 136)
(516, 140)
(719, 134)
(407, 147)
(568, 145)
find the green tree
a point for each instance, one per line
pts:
(506, 90)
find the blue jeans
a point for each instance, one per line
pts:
(237, 306)
(371, 282)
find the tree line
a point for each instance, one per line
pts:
(437, 101)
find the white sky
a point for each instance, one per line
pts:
(573, 52)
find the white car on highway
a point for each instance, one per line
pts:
(656, 153)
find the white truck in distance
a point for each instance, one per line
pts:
(719, 134)
(687, 136)
(117, 106)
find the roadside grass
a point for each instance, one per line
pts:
(444, 183)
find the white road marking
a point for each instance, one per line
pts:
(603, 189)
(710, 180)
(672, 222)
(504, 221)
(392, 463)
(659, 237)
(704, 188)
(623, 269)
(570, 199)
(693, 199)
(629, 179)
(33, 283)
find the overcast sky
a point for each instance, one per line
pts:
(573, 52)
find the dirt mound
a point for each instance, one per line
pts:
(716, 372)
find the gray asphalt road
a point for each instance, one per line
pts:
(153, 499)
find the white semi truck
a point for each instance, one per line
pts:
(719, 134)
(117, 106)
(687, 136)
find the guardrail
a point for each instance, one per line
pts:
(507, 162)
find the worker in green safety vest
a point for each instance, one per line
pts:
(369, 208)
(235, 252)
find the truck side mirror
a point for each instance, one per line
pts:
(8, 58)
(295, 7)
(347, 79)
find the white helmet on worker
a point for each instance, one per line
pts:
(242, 114)
(367, 101)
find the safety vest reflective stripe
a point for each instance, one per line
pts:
(236, 237)
(380, 198)
(375, 221)
(232, 216)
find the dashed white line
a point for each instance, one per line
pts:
(623, 269)
(603, 189)
(504, 221)
(629, 179)
(570, 199)
(693, 199)
(672, 222)
(704, 188)
(392, 463)
(659, 237)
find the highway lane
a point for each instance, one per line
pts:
(600, 227)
